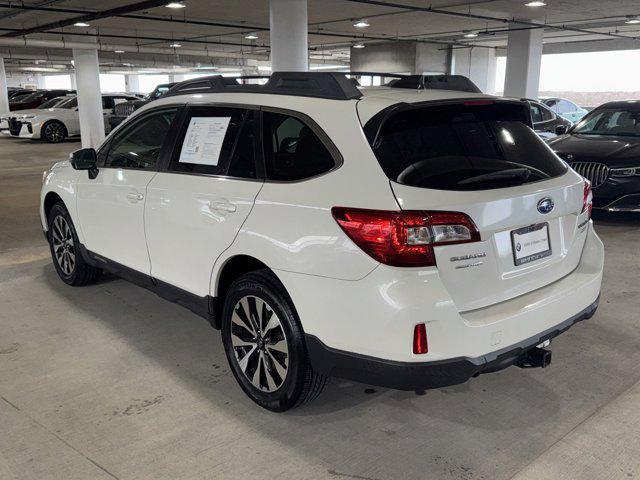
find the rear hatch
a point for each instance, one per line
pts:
(481, 158)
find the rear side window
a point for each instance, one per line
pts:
(464, 147)
(292, 150)
(216, 141)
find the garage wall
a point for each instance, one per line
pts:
(400, 57)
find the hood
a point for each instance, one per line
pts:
(612, 151)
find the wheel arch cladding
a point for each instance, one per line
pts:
(49, 201)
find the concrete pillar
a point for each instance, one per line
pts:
(176, 77)
(524, 56)
(479, 64)
(289, 39)
(4, 96)
(74, 85)
(89, 97)
(132, 83)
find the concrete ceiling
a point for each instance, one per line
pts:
(212, 32)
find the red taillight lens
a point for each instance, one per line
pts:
(587, 198)
(407, 238)
(420, 344)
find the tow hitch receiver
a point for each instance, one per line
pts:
(536, 357)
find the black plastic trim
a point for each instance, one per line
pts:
(426, 375)
(201, 306)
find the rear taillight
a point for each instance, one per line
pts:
(406, 238)
(587, 198)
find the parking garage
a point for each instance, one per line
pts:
(117, 379)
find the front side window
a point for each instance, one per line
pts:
(216, 141)
(138, 145)
(292, 150)
(536, 113)
(464, 147)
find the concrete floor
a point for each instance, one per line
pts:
(110, 381)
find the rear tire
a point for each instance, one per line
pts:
(54, 132)
(65, 250)
(264, 343)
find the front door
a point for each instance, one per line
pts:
(196, 207)
(111, 206)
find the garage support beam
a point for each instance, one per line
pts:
(524, 57)
(289, 35)
(89, 97)
(132, 83)
(4, 97)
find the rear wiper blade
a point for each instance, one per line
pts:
(519, 173)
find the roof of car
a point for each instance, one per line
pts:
(621, 104)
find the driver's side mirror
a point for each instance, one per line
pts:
(561, 129)
(85, 159)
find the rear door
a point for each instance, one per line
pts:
(479, 160)
(197, 204)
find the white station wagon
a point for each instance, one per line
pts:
(411, 236)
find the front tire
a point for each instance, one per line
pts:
(264, 344)
(54, 132)
(65, 250)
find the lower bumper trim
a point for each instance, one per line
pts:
(426, 375)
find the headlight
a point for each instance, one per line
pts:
(625, 172)
(28, 117)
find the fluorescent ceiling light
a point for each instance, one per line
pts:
(536, 3)
(118, 51)
(359, 45)
(80, 24)
(175, 45)
(361, 24)
(175, 5)
(327, 67)
(470, 35)
(251, 36)
(632, 20)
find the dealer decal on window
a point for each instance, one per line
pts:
(203, 141)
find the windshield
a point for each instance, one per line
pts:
(21, 97)
(31, 96)
(69, 102)
(51, 103)
(466, 146)
(611, 121)
(158, 92)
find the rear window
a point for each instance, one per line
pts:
(466, 146)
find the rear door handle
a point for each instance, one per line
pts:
(136, 197)
(221, 206)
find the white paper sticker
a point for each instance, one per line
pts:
(203, 141)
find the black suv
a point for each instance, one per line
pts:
(123, 110)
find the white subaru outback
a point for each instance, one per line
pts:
(410, 236)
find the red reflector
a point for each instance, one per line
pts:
(471, 103)
(420, 339)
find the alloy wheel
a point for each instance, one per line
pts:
(54, 132)
(63, 245)
(259, 343)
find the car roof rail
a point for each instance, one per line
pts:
(422, 82)
(329, 85)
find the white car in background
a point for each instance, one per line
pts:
(53, 103)
(55, 124)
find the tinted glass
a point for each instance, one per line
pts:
(611, 121)
(71, 102)
(292, 150)
(138, 145)
(464, 147)
(536, 113)
(52, 103)
(546, 114)
(228, 135)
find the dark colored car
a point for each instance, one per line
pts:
(123, 110)
(605, 148)
(544, 119)
(15, 92)
(37, 98)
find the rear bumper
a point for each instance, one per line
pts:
(425, 375)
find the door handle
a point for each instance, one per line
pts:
(220, 206)
(136, 197)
